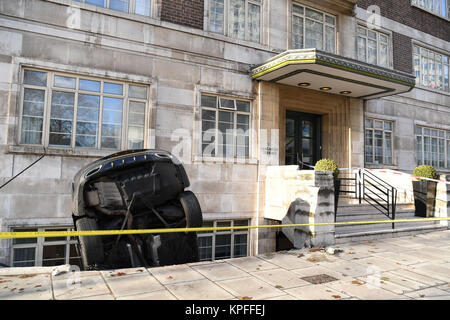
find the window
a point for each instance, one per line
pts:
(29, 252)
(214, 245)
(431, 68)
(61, 110)
(313, 29)
(225, 126)
(378, 141)
(432, 147)
(239, 19)
(141, 7)
(439, 7)
(373, 47)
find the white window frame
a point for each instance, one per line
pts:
(49, 88)
(40, 243)
(421, 52)
(434, 7)
(373, 129)
(235, 113)
(378, 41)
(232, 232)
(324, 25)
(131, 6)
(226, 19)
(434, 133)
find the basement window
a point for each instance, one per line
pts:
(54, 251)
(216, 245)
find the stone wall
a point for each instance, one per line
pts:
(442, 208)
(295, 196)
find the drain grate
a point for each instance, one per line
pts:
(320, 278)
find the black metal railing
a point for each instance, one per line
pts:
(366, 186)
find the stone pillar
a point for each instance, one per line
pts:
(301, 197)
(442, 207)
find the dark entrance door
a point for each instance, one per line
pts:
(303, 142)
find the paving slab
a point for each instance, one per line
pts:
(84, 286)
(316, 292)
(286, 260)
(199, 290)
(250, 287)
(429, 294)
(250, 264)
(348, 268)
(362, 290)
(133, 284)
(433, 270)
(100, 297)
(281, 278)
(155, 295)
(174, 274)
(220, 271)
(399, 258)
(26, 287)
(379, 263)
(411, 285)
(414, 276)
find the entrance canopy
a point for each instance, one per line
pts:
(322, 71)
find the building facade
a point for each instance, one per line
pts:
(228, 86)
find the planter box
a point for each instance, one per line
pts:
(424, 198)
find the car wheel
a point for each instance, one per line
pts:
(192, 210)
(91, 246)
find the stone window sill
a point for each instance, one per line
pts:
(49, 151)
(222, 160)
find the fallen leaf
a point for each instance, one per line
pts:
(27, 276)
(372, 251)
(300, 255)
(118, 274)
(37, 286)
(316, 249)
(140, 270)
(336, 296)
(3, 281)
(328, 290)
(279, 287)
(169, 277)
(357, 282)
(350, 252)
(385, 278)
(258, 269)
(245, 298)
(311, 260)
(13, 289)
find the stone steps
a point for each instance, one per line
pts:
(348, 210)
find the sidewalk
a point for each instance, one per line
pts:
(412, 267)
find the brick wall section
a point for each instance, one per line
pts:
(402, 52)
(185, 12)
(402, 11)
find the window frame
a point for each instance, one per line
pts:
(50, 88)
(226, 19)
(131, 7)
(417, 4)
(41, 243)
(419, 79)
(446, 153)
(324, 25)
(235, 113)
(232, 232)
(384, 141)
(379, 42)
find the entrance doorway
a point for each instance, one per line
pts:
(303, 141)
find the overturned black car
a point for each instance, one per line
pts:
(135, 189)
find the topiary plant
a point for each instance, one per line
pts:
(327, 165)
(425, 171)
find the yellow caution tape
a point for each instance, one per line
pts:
(15, 235)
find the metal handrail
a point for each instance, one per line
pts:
(366, 186)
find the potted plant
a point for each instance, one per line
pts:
(331, 165)
(424, 190)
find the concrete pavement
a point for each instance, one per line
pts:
(412, 267)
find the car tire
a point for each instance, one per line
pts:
(91, 247)
(192, 210)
